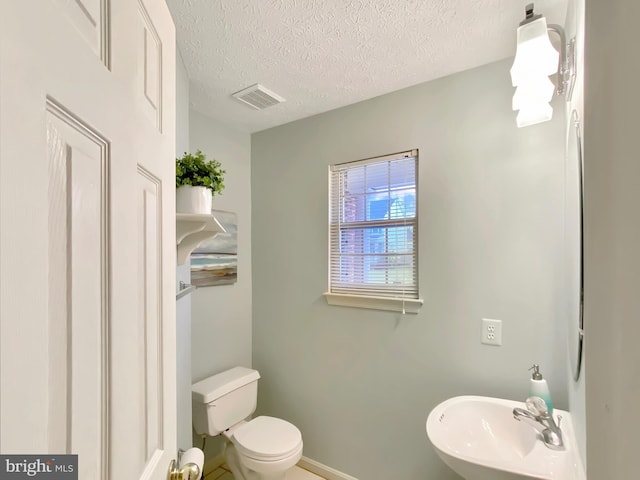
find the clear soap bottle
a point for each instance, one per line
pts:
(539, 388)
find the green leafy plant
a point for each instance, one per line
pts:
(195, 170)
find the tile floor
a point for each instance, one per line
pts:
(220, 473)
(296, 473)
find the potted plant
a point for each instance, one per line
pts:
(197, 181)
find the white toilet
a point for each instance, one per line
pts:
(260, 449)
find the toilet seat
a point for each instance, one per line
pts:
(267, 439)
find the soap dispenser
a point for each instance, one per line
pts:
(539, 387)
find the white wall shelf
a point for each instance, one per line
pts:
(191, 229)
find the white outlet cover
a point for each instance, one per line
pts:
(491, 332)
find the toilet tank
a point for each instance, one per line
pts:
(221, 401)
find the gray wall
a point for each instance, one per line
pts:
(183, 306)
(221, 316)
(612, 237)
(360, 383)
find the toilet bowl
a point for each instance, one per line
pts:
(263, 448)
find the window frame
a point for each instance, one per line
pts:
(405, 302)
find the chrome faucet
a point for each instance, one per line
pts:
(539, 418)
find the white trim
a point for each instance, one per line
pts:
(311, 465)
(390, 304)
(322, 470)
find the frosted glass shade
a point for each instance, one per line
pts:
(535, 56)
(535, 60)
(534, 114)
(532, 93)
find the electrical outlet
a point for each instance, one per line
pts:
(491, 331)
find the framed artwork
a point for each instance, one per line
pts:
(215, 261)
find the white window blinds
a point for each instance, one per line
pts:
(374, 226)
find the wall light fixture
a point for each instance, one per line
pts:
(535, 60)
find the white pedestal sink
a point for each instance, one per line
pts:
(479, 439)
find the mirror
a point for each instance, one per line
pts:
(575, 243)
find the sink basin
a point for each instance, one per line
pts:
(479, 439)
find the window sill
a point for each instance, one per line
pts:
(411, 305)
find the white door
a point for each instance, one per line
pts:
(87, 242)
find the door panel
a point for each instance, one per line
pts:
(78, 291)
(91, 19)
(150, 306)
(150, 57)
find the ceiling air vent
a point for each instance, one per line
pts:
(258, 97)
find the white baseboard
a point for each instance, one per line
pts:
(314, 467)
(322, 470)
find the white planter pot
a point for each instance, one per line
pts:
(193, 200)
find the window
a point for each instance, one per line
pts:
(373, 229)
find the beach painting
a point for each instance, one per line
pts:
(215, 261)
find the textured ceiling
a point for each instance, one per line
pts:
(324, 54)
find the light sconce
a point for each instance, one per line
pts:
(535, 60)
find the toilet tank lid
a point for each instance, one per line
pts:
(214, 387)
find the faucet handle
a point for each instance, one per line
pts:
(537, 406)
